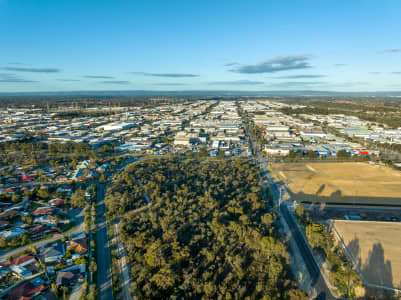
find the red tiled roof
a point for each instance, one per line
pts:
(41, 211)
(58, 202)
(8, 213)
(79, 246)
(19, 260)
(27, 178)
(37, 227)
(25, 290)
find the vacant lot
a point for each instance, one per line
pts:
(375, 246)
(341, 182)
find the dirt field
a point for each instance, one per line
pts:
(376, 247)
(340, 182)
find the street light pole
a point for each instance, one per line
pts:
(279, 198)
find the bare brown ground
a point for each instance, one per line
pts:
(376, 247)
(340, 182)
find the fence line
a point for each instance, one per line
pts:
(353, 261)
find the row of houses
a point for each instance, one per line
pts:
(30, 274)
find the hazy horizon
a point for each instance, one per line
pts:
(208, 93)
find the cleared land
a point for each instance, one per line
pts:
(341, 182)
(376, 248)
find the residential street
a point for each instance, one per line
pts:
(103, 258)
(103, 251)
(123, 266)
(77, 229)
(76, 292)
(5, 254)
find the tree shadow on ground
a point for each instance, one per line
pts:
(354, 248)
(320, 190)
(338, 198)
(376, 270)
(379, 269)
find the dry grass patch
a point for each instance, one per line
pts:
(340, 182)
(376, 247)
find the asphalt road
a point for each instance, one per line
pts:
(78, 217)
(5, 254)
(124, 267)
(318, 282)
(76, 292)
(354, 209)
(103, 252)
(103, 258)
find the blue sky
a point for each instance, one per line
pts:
(69, 45)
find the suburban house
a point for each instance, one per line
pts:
(23, 266)
(26, 290)
(68, 278)
(71, 275)
(4, 224)
(22, 261)
(53, 253)
(56, 202)
(20, 272)
(78, 244)
(42, 211)
(43, 230)
(8, 214)
(12, 233)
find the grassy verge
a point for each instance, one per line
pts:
(342, 275)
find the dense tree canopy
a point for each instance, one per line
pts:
(78, 198)
(207, 234)
(382, 111)
(30, 152)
